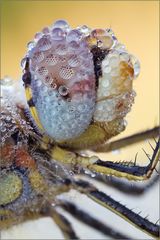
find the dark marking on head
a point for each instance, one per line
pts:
(31, 103)
(27, 75)
(27, 65)
(98, 56)
(26, 78)
(29, 119)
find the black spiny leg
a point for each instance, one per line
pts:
(129, 171)
(116, 207)
(122, 185)
(92, 222)
(64, 225)
(27, 75)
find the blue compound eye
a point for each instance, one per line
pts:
(78, 76)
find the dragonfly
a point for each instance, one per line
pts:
(77, 90)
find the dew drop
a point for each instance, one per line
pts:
(45, 30)
(63, 90)
(136, 65)
(53, 85)
(107, 69)
(99, 43)
(73, 45)
(84, 30)
(61, 24)
(61, 49)
(23, 62)
(51, 59)
(74, 35)
(3, 129)
(124, 56)
(98, 33)
(73, 61)
(48, 80)
(110, 31)
(66, 72)
(120, 47)
(42, 71)
(37, 36)
(8, 118)
(38, 56)
(30, 45)
(58, 34)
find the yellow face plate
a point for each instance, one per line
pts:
(33, 110)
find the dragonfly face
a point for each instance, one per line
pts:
(78, 77)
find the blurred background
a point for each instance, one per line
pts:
(135, 23)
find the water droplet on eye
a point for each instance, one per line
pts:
(3, 129)
(69, 100)
(107, 41)
(120, 47)
(71, 109)
(45, 30)
(58, 34)
(105, 84)
(73, 45)
(53, 85)
(114, 61)
(23, 62)
(84, 30)
(51, 59)
(63, 90)
(124, 56)
(8, 118)
(61, 49)
(48, 80)
(136, 65)
(62, 59)
(98, 33)
(110, 31)
(66, 72)
(44, 43)
(37, 36)
(30, 45)
(73, 61)
(38, 56)
(99, 43)
(74, 35)
(107, 69)
(83, 44)
(42, 71)
(61, 24)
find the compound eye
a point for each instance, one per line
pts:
(63, 82)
